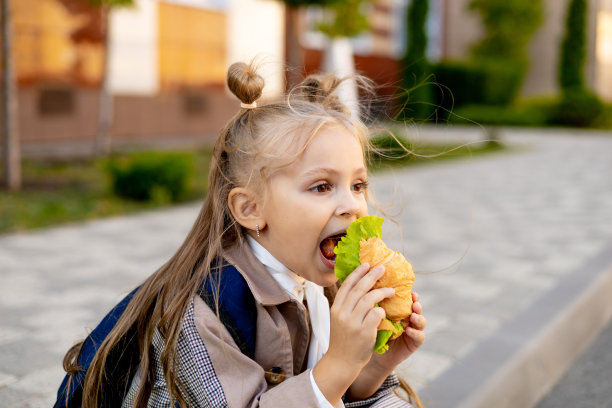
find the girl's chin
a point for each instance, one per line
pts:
(329, 279)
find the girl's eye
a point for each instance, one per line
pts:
(321, 188)
(360, 187)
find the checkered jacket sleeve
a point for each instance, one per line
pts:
(196, 372)
(384, 397)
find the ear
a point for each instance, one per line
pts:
(246, 208)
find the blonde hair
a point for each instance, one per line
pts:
(250, 148)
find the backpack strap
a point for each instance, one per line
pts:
(236, 305)
(123, 356)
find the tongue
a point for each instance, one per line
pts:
(327, 248)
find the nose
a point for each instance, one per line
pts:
(351, 204)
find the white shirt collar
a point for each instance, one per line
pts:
(292, 283)
(298, 288)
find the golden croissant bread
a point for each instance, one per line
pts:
(398, 275)
(362, 243)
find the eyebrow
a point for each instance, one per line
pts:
(326, 170)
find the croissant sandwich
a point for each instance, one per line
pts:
(363, 243)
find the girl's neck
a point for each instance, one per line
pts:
(287, 279)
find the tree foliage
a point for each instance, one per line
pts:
(578, 105)
(573, 47)
(416, 35)
(112, 3)
(304, 3)
(509, 25)
(344, 19)
(418, 93)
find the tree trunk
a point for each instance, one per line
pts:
(338, 59)
(295, 60)
(11, 150)
(105, 100)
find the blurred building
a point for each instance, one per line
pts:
(167, 60)
(166, 68)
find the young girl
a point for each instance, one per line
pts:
(238, 316)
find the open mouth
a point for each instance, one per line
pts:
(328, 244)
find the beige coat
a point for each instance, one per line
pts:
(215, 373)
(282, 338)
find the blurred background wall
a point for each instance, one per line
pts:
(168, 59)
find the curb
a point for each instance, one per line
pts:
(522, 360)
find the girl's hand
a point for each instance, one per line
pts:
(353, 317)
(381, 365)
(409, 342)
(353, 323)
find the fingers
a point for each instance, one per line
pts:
(350, 281)
(356, 275)
(356, 298)
(364, 285)
(417, 308)
(374, 296)
(417, 337)
(373, 318)
(418, 321)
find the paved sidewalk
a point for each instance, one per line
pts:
(491, 236)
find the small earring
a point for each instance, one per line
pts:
(257, 230)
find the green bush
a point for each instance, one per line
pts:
(502, 82)
(460, 83)
(151, 176)
(604, 121)
(417, 98)
(469, 83)
(531, 114)
(578, 107)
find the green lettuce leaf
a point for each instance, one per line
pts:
(382, 337)
(347, 250)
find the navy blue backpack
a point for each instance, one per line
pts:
(238, 314)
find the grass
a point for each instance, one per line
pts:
(56, 192)
(535, 112)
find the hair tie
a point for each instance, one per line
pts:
(248, 105)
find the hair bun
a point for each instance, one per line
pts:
(321, 89)
(244, 82)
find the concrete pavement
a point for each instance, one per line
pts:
(505, 246)
(589, 383)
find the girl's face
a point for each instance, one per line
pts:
(315, 198)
